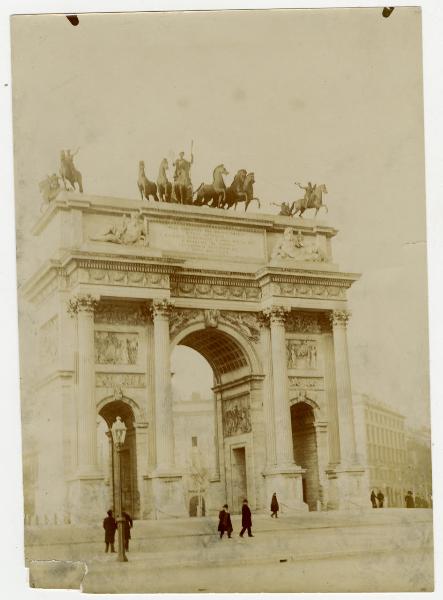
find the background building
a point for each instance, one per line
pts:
(397, 459)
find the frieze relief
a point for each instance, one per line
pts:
(301, 354)
(308, 383)
(114, 348)
(310, 290)
(115, 314)
(236, 416)
(124, 277)
(114, 380)
(211, 290)
(297, 322)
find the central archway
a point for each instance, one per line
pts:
(231, 469)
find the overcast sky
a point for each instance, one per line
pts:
(328, 96)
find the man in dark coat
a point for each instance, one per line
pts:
(127, 526)
(246, 519)
(224, 521)
(373, 499)
(109, 525)
(409, 499)
(380, 498)
(274, 506)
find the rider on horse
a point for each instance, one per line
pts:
(309, 190)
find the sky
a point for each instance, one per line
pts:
(328, 96)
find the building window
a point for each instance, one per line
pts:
(194, 441)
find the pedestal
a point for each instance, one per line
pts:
(88, 501)
(168, 496)
(287, 484)
(346, 489)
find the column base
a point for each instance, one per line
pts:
(168, 494)
(346, 488)
(87, 499)
(286, 482)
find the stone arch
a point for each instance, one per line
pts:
(224, 347)
(304, 414)
(317, 411)
(137, 412)
(126, 408)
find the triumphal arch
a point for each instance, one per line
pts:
(121, 283)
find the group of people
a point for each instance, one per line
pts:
(377, 499)
(110, 527)
(224, 518)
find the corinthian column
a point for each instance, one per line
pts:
(282, 411)
(164, 424)
(339, 320)
(268, 405)
(83, 306)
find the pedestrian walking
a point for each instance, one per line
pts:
(246, 519)
(274, 506)
(373, 499)
(109, 525)
(127, 526)
(380, 498)
(224, 521)
(409, 499)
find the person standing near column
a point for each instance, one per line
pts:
(110, 526)
(127, 526)
(246, 519)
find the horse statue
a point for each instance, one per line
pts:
(164, 186)
(215, 192)
(249, 189)
(235, 192)
(315, 201)
(68, 172)
(147, 188)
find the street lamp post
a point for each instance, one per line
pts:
(118, 436)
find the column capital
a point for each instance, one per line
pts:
(162, 308)
(263, 319)
(82, 303)
(339, 318)
(277, 314)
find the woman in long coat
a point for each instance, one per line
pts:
(246, 519)
(224, 522)
(274, 506)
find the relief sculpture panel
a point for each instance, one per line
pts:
(115, 348)
(236, 416)
(301, 354)
(48, 343)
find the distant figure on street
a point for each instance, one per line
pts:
(109, 525)
(409, 499)
(380, 498)
(224, 521)
(127, 526)
(246, 519)
(274, 506)
(373, 499)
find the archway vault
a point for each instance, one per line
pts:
(224, 348)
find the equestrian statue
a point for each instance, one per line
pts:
(313, 198)
(68, 172)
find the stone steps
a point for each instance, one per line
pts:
(197, 540)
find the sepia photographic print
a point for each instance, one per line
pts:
(222, 301)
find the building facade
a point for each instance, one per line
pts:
(121, 283)
(396, 458)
